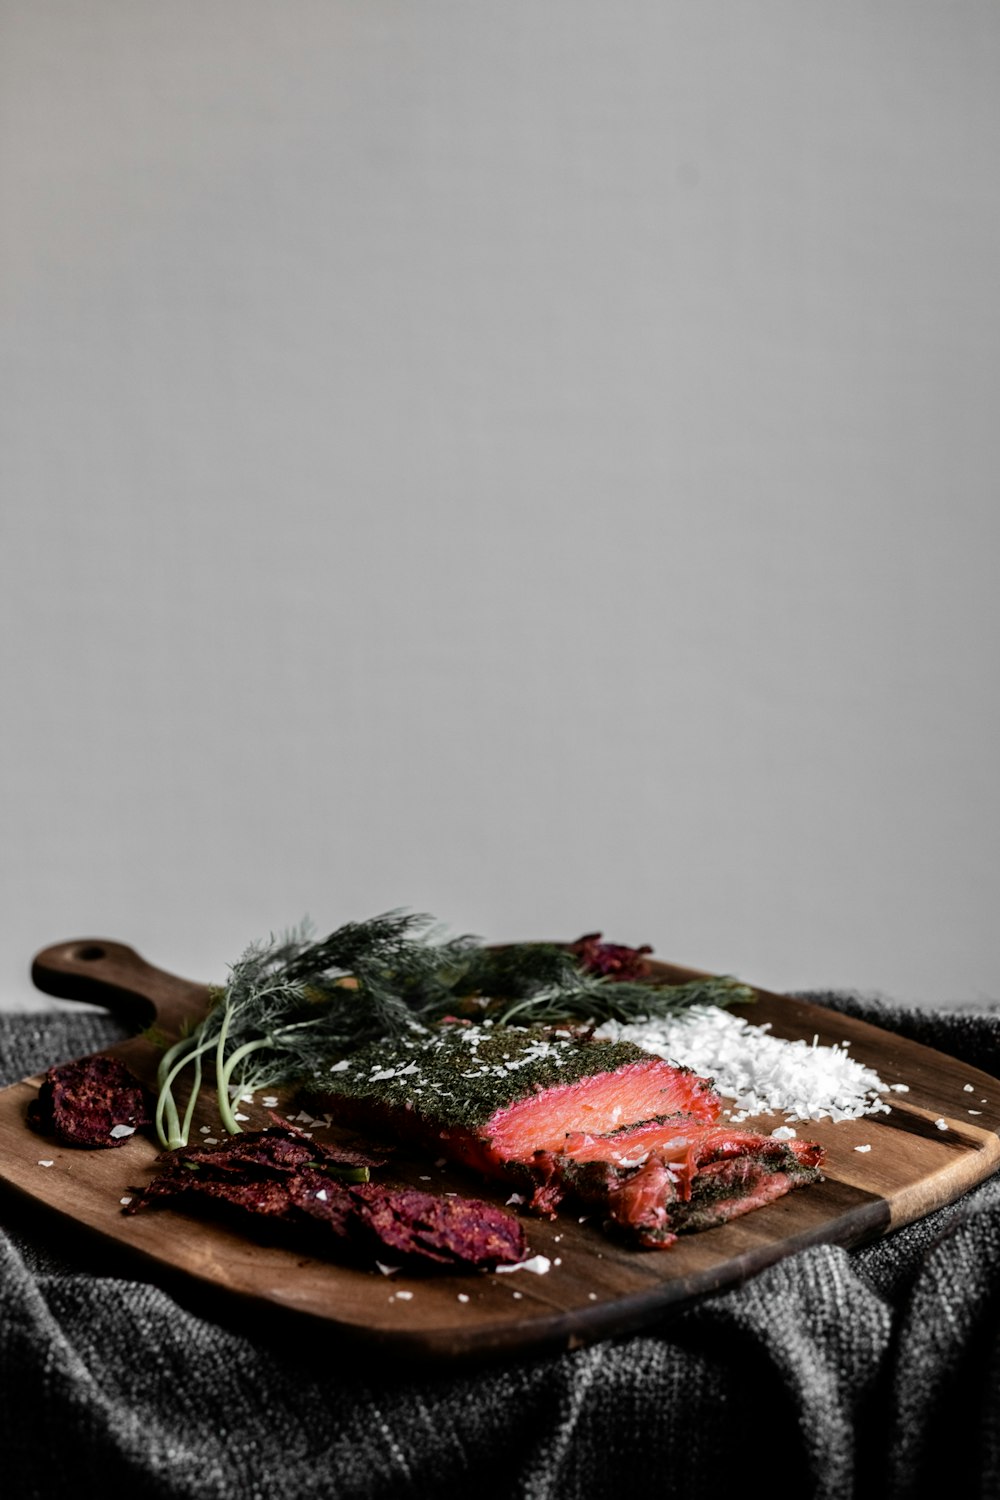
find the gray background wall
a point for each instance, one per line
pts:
(532, 462)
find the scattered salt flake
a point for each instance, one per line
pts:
(592, 1296)
(968, 1088)
(46, 1163)
(124, 1201)
(246, 1098)
(941, 1124)
(211, 1140)
(340, 1067)
(270, 1101)
(557, 1261)
(424, 1177)
(538, 1265)
(975, 1111)
(463, 1296)
(241, 1117)
(321, 1194)
(516, 1198)
(404, 1296)
(119, 1132)
(783, 1133)
(862, 1148)
(204, 1129)
(517, 1295)
(557, 1237)
(387, 1270)
(900, 1088)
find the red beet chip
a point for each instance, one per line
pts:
(611, 960)
(451, 1231)
(274, 1151)
(268, 1199)
(95, 1103)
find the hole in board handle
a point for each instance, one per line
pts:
(91, 952)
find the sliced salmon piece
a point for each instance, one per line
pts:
(663, 1176)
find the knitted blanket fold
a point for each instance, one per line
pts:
(846, 1375)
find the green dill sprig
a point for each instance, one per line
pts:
(541, 984)
(595, 999)
(292, 1002)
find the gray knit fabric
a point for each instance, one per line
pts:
(833, 1375)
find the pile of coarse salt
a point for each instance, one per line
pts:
(762, 1073)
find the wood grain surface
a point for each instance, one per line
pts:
(595, 1288)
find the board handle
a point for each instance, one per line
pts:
(115, 977)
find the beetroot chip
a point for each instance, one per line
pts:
(450, 1231)
(283, 1178)
(274, 1151)
(611, 960)
(94, 1103)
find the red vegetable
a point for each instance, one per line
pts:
(95, 1102)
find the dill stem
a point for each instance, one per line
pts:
(221, 1087)
(165, 1098)
(185, 1130)
(225, 1109)
(165, 1104)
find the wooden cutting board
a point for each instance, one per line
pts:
(595, 1288)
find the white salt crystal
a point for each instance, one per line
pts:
(340, 1067)
(783, 1133)
(968, 1088)
(463, 1296)
(124, 1201)
(538, 1264)
(862, 1148)
(404, 1296)
(46, 1163)
(119, 1132)
(941, 1124)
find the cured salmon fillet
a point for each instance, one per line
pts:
(490, 1095)
(561, 1116)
